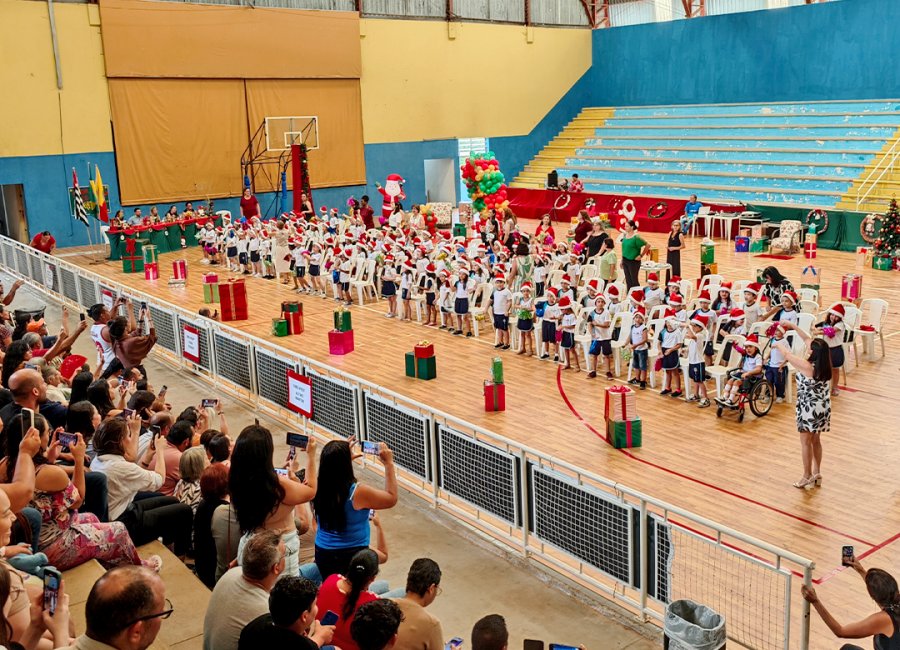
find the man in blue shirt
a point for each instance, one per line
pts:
(691, 209)
(136, 219)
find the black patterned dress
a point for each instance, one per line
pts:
(813, 405)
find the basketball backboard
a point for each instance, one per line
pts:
(282, 132)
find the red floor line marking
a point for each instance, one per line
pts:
(693, 479)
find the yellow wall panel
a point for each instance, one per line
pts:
(420, 84)
(30, 113)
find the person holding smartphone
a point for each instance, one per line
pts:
(342, 505)
(883, 625)
(129, 345)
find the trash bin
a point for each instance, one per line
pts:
(691, 626)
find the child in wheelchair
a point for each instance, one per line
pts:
(748, 372)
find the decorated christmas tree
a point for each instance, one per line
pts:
(888, 242)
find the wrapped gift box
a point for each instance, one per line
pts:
(742, 244)
(179, 269)
(494, 396)
(151, 255)
(654, 254)
(444, 212)
(459, 230)
(744, 232)
(423, 350)
(210, 293)
(497, 370)
(851, 287)
(211, 278)
(863, 256)
(340, 342)
(292, 307)
(151, 271)
(233, 298)
(811, 278)
(342, 322)
(708, 269)
(620, 403)
(879, 262)
(280, 327)
(810, 250)
(294, 320)
(132, 263)
(624, 434)
(756, 232)
(707, 253)
(421, 368)
(759, 244)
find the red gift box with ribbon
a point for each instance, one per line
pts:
(179, 269)
(851, 287)
(494, 396)
(233, 300)
(340, 342)
(809, 250)
(620, 404)
(294, 320)
(423, 350)
(151, 271)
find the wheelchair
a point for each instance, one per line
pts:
(757, 392)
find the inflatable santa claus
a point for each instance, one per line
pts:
(391, 193)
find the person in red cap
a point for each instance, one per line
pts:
(723, 302)
(587, 300)
(704, 309)
(653, 293)
(406, 287)
(549, 323)
(428, 285)
(673, 288)
(751, 303)
(639, 348)
(672, 341)
(464, 288)
(696, 336)
(569, 322)
(501, 302)
(601, 331)
(775, 368)
(751, 366)
(833, 330)
(786, 311)
(566, 290)
(389, 285)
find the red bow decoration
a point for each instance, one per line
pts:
(129, 246)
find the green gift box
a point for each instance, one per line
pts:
(759, 244)
(342, 320)
(210, 293)
(279, 327)
(421, 368)
(151, 254)
(707, 253)
(624, 433)
(497, 370)
(882, 263)
(459, 230)
(132, 264)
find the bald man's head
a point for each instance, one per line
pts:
(118, 600)
(26, 382)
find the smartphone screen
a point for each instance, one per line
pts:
(281, 471)
(126, 413)
(209, 403)
(52, 580)
(67, 440)
(27, 420)
(163, 390)
(373, 448)
(297, 440)
(292, 453)
(533, 644)
(81, 316)
(143, 305)
(846, 555)
(330, 618)
(454, 643)
(559, 646)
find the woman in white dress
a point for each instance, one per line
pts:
(281, 254)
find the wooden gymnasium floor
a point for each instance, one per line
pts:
(738, 474)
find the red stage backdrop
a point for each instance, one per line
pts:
(653, 214)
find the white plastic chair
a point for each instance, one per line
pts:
(809, 306)
(482, 306)
(583, 335)
(712, 279)
(623, 321)
(686, 288)
(805, 293)
(873, 311)
(364, 283)
(720, 366)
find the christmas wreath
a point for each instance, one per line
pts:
(818, 217)
(658, 210)
(562, 201)
(869, 229)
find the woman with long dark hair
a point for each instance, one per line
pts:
(342, 505)
(17, 355)
(775, 285)
(883, 625)
(21, 327)
(345, 593)
(264, 499)
(80, 383)
(101, 395)
(813, 401)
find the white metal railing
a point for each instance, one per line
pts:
(688, 548)
(884, 166)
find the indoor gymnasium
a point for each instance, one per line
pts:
(449, 324)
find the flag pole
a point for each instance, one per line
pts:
(98, 249)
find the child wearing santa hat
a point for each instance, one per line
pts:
(464, 287)
(786, 311)
(389, 285)
(406, 287)
(751, 366)
(254, 249)
(445, 300)
(696, 337)
(832, 329)
(723, 303)
(550, 320)
(704, 309)
(639, 348)
(567, 343)
(673, 288)
(600, 329)
(566, 290)
(501, 301)
(751, 304)
(524, 306)
(775, 367)
(653, 293)
(428, 285)
(672, 340)
(315, 269)
(591, 289)
(539, 274)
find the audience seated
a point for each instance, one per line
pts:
(419, 629)
(344, 594)
(214, 493)
(175, 443)
(190, 467)
(376, 624)
(490, 633)
(291, 621)
(242, 594)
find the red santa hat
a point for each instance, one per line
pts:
(652, 278)
(637, 296)
(754, 287)
(553, 291)
(594, 284)
(430, 268)
(396, 177)
(565, 301)
(837, 309)
(613, 291)
(640, 311)
(674, 280)
(670, 315)
(704, 296)
(500, 278)
(725, 286)
(567, 278)
(526, 285)
(600, 297)
(700, 320)
(753, 340)
(790, 295)
(675, 300)
(736, 314)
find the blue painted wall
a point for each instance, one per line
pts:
(835, 50)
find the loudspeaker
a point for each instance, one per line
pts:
(552, 180)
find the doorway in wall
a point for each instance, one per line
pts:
(440, 180)
(13, 222)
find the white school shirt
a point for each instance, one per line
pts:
(791, 316)
(751, 314)
(552, 313)
(671, 339)
(739, 330)
(253, 244)
(315, 259)
(681, 315)
(568, 292)
(751, 363)
(208, 236)
(463, 288)
(444, 296)
(405, 280)
(241, 245)
(539, 273)
(637, 334)
(653, 297)
(568, 323)
(695, 348)
(298, 256)
(598, 331)
(615, 307)
(838, 339)
(388, 274)
(776, 356)
(345, 268)
(526, 304)
(501, 299)
(231, 241)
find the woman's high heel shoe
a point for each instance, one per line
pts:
(805, 483)
(817, 479)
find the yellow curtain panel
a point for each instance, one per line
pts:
(142, 38)
(337, 105)
(178, 139)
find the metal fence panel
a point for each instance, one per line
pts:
(89, 294)
(407, 8)
(233, 359)
(271, 376)
(36, 269)
(205, 341)
(68, 284)
(335, 404)
(582, 521)
(8, 254)
(22, 263)
(166, 326)
(404, 431)
(480, 474)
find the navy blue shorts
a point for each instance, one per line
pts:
(429, 299)
(254, 257)
(242, 258)
(548, 332)
(697, 372)
(501, 322)
(670, 361)
(525, 325)
(568, 340)
(837, 356)
(709, 350)
(300, 271)
(404, 294)
(345, 286)
(231, 252)
(314, 270)
(603, 347)
(388, 289)
(639, 359)
(461, 306)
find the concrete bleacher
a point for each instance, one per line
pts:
(781, 153)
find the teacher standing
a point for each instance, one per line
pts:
(633, 249)
(813, 401)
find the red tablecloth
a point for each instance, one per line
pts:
(562, 206)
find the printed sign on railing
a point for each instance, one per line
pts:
(191, 343)
(299, 393)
